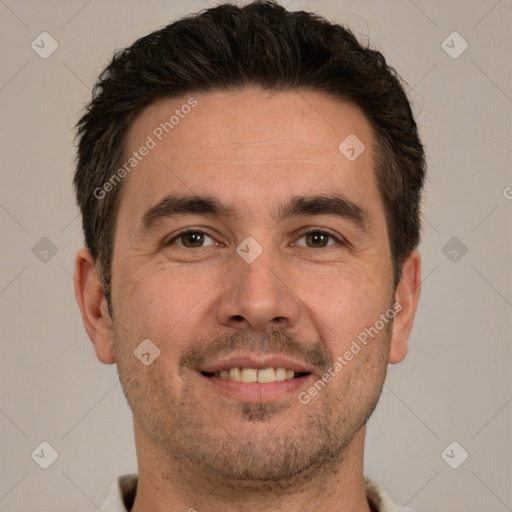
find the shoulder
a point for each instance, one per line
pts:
(380, 499)
(121, 494)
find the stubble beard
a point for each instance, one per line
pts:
(267, 451)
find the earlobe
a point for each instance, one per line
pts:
(93, 306)
(407, 295)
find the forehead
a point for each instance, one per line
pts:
(249, 116)
(251, 143)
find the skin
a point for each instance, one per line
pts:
(197, 446)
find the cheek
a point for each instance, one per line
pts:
(347, 297)
(163, 304)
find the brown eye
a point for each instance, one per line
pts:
(191, 239)
(318, 239)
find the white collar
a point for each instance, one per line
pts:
(124, 487)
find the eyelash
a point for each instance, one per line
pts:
(304, 233)
(322, 232)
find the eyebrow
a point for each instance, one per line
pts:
(334, 204)
(176, 205)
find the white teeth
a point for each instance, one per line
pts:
(248, 375)
(280, 374)
(235, 374)
(267, 375)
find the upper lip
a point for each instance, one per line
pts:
(256, 361)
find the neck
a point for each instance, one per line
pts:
(166, 485)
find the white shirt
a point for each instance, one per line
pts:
(122, 494)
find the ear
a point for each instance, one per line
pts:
(407, 296)
(93, 306)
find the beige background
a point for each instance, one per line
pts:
(455, 384)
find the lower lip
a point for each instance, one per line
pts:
(256, 391)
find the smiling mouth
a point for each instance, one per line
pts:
(254, 375)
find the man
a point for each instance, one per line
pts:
(249, 180)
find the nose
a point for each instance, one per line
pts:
(258, 295)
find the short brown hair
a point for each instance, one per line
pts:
(229, 47)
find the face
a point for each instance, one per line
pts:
(248, 247)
